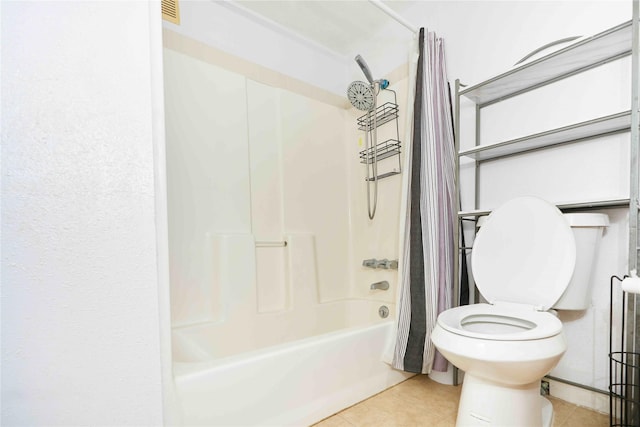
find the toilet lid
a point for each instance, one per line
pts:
(524, 253)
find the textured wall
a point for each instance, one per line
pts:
(80, 321)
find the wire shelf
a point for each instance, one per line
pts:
(384, 175)
(370, 157)
(388, 148)
(383, 114)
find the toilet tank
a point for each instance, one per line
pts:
(587, 229)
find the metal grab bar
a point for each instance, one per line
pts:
(271, 243)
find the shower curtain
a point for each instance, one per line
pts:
(426, 278)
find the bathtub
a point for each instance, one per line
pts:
(295, 383)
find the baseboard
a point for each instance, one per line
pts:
(578, 396)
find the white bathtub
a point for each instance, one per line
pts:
(247, 330)
(296, 383)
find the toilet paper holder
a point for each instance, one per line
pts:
(631, 283)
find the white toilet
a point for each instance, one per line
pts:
(523, 260)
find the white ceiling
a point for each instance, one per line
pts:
(343, 27)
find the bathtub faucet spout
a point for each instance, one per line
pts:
(384, 285)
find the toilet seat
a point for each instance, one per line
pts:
(524, 253)
(500, 322)
(523, 259)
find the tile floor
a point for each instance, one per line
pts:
(420, 402)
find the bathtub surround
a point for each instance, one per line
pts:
(427, 272)
(299, 131)
(264, 180)
(249, 161)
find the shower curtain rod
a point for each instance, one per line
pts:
(385, 9)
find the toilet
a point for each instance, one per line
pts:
(523, 261)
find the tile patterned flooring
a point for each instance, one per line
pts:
(420, 402)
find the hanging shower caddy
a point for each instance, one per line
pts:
(383, 114)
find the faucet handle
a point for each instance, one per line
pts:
(388, 264)
(369, 263)
(383, 263)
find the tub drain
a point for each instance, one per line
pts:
(383, 311)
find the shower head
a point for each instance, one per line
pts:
(364, 67)
(361, 95)
(384, 83)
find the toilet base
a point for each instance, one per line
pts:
(486, 403)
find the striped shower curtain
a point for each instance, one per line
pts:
(426, 278)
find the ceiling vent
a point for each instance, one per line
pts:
(171, 11)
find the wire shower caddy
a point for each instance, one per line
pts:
(384, 113)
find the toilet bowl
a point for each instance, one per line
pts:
(523, 259)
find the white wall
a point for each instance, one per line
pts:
(223, 26)
(80, 295)
(486, 38)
